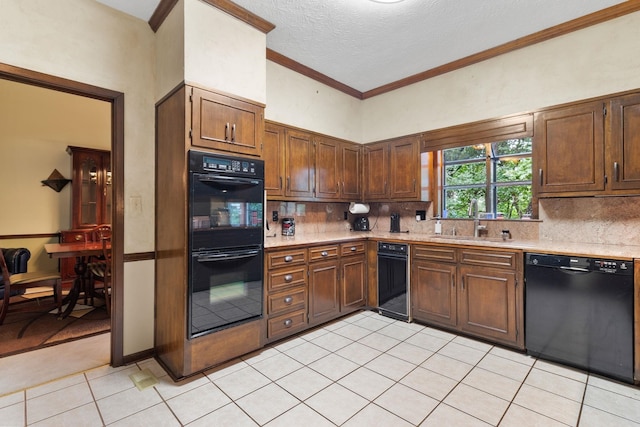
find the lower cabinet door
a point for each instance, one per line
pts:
(487, 303)
(353, 286)
(323, 291)
(433, 292)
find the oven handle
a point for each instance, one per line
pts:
(228, 256)
(228, 180)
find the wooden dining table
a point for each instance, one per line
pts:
(81, 251)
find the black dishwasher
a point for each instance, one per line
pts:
(579, 311)
(393, 280)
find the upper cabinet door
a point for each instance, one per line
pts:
(405, 169)
(273, 156)
(569, 150)
(351, 172)
(220, 122)
(328, 168)
(377, 171)
(299, 167)
(623, 161)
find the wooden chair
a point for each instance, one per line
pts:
(100, 267)
(22, 281)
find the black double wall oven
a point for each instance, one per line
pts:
(226, 205)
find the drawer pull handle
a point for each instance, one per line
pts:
(288, 278)
(288, 300)
(79, 237)
(226, 131)
(353, 248)
(288, 258)
(287, 323)
(324, 253)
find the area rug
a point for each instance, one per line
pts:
(26, 331)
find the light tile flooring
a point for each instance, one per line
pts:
(363, 370)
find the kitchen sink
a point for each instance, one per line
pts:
(471, 238)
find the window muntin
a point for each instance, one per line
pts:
(496, 174)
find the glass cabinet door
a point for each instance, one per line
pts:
(91, 187)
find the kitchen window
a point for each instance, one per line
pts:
(496, 174)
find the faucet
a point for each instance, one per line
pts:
(473, 213)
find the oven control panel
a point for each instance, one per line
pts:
(225, 165)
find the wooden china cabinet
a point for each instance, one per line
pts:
(90, 200)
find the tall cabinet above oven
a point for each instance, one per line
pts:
(194, 233)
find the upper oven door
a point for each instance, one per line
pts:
(225, 211)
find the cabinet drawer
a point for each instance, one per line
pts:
(286, 324)
(71, 236)
(285, 258)
(322, 253)
(293, 299)
(493, 258)
(285, 278)
(434, 253)
(354, 248)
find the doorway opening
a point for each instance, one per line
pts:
(115, 101)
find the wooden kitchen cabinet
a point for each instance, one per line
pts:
(299, 165)
(182, 356)
(274, 158)
(433, 285)
(222, 122)
(353, 276)
(393, 170)
(487, 303)
(376, 157)
(351, 172)
(324, 303)
(623, 160)
(328, 168)
(286, 292)
(588, 149)
(568, 150)
(475, 291)
(404, 169)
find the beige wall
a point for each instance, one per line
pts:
(595, 61)
(170, 52)
(36, 126)
(87, 42)
(299, 101)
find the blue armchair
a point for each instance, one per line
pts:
(16, 259)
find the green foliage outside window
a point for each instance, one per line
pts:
(497, 175)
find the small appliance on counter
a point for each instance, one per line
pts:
(288, 227)
(361, 224)
(395, 223)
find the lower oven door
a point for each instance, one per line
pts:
(225, 288)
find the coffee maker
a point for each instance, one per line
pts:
(361, 224)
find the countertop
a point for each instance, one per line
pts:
(624, 252)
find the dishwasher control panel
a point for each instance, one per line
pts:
(566, 262)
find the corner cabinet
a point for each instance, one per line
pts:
(475, 291)
(179, 355)
(225, 123)
(588, 149)
(393, 170)
(91, 187)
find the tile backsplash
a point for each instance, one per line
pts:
(606, 220)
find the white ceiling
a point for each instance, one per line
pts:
(366, 44)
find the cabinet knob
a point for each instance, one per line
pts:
(287, 323)
(79, 237)
(288, 278)
(288, 258)
(353, 249)
(288, 300)
(324, 253)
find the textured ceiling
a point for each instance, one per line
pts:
(365, 44)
